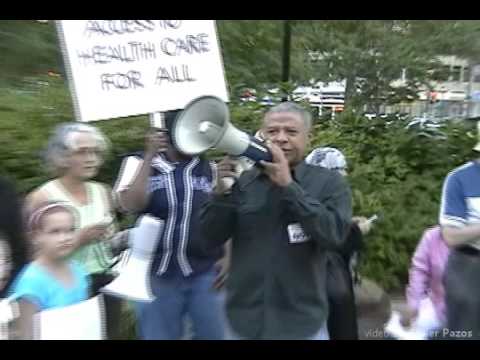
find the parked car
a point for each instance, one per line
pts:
(427, 126)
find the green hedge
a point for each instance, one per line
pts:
(397, 173)
(27, 117)
(394, 172)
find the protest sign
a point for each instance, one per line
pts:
(119, 68)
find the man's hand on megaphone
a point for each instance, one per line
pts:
(278, 170)
(225, 169)
(155, 142)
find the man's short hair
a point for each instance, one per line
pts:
(292, 107)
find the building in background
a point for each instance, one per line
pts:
(326, 97)
(457, 96)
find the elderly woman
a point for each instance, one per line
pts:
(342, 320)
(74, 155)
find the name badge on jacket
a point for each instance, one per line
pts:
(296, 234)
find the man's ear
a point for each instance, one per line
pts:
(259, 135)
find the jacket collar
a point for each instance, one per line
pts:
(162, 164)
(298, 173)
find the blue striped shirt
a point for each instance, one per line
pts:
(177, 192)
(460, 205)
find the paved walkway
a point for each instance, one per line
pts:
(370, 325)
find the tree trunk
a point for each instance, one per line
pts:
(350, 88)
(287, 36)
(471, 66)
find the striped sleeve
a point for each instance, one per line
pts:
(453, 209)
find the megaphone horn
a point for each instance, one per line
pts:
(133, 282)
(205, 124)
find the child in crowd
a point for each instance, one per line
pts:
(425, 292)
(49, 281)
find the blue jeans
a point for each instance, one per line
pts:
(163, 319)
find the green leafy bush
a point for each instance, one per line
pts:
(27, 118)
(397, 173)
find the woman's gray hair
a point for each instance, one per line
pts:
(62, 143)
(292, 107)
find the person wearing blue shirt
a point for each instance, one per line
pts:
(185, 278)
(460, 221)
(50, 281)
(40, 287)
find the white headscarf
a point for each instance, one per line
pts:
(327, 157)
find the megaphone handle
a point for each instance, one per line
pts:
(257, 150)
(157, 121)
(228, 183)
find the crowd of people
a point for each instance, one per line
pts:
(272, 256)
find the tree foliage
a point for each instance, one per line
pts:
(28, 48)
(397, 173)
(371, 55)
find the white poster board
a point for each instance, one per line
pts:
(119, 68)
(82, 321)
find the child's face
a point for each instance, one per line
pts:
(55, 238)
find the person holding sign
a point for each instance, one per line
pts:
(50, 281)
(184, 278)
(282, 217)
(75, 154)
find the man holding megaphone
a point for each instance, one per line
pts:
(282, 217)
(171, 186)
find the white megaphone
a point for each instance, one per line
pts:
(205, 124)
(133, 283)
